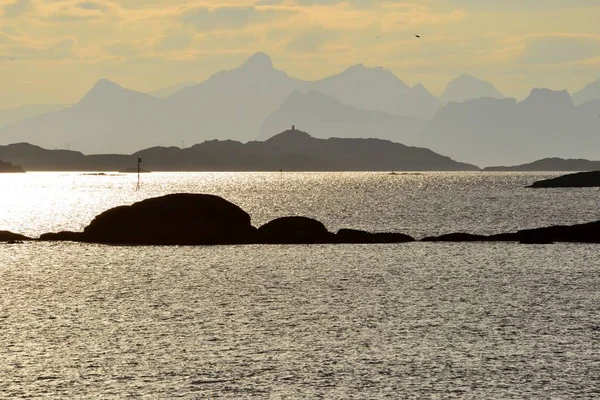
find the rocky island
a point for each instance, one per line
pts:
(576, 180)
(8, 167)
(202, 219)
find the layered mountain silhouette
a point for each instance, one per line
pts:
(255, 100)
(16, 114)
(490, 131)
(171, 90)
(467, 87)
(324, 116)
(589, 93)
(378, 89)
(292, 150)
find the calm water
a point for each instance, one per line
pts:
(418, 320)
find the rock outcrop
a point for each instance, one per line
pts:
(295, 230)
(6, 236)
(176, 219)
(579, 233)
(201, 219)
(358, 236)
(576, 180)
(8, 167)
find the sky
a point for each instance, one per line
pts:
(53, 51)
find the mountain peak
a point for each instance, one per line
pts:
(549, 98)
(290, 136)
(588, 93)
(105, 84)
(466, 87)
(259, 61)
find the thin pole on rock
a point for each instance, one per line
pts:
(139, 161)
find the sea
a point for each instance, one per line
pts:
(390, 321)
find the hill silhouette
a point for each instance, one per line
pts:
(325, 117)
(551, 164)
(8, 167)
(292, 150)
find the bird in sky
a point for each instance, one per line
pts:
(418, 36)
(377, 37)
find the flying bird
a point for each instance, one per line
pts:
(418, 36)
(377, 37)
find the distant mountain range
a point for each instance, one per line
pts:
(16, 114)
(324, 116)
(292, 150)
(552, 164)
(471, 121)
(490, 131)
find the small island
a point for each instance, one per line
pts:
(577, 180)
(8, 167)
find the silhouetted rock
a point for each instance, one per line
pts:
(63, 236)
(175, 219)
(580, 233)
(358, 236)
(295, 230)
(8, 167)
(456, 237)
(577, 180)
(6, 236)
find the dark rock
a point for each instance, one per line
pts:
(579, 179)
(525, 241)
(358, 236)
(63, 236)
(295, 230)
(175, 219)
(8, 167)
(580, 233)
(6, 236)
(456, 237)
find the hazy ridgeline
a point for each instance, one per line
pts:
(470, 122)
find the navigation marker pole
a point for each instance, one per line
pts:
(138, 165)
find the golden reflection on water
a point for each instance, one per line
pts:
(415, 203)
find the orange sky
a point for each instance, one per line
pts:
(54, 51)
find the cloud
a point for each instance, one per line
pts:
(17, 8)
(77, 12)
(175, 41)
(48, 50)
(232, 18)
(310, 41)
(514, 5)
(557, 49)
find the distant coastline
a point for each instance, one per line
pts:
(551, 164)
(292, 150)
